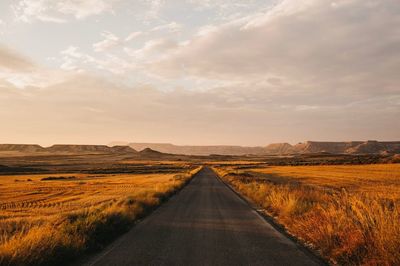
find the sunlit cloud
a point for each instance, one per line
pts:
(51, 10)
(266, 70)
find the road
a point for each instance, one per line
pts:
(204, 224)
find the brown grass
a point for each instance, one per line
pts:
(50, 222)
(350, 214)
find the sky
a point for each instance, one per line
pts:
(199, 72)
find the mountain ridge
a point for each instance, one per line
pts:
(349, 147)
(65, 149)
(339, 147)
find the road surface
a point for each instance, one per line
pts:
(205, 224)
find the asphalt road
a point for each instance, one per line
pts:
(205, 224)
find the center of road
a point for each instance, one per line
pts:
(204, 224)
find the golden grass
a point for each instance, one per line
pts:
(350, 214)
(375, 178)
(50, 222)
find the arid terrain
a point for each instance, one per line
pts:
(60, 203)
(200, 132)
(350, 214)
(70, 205)
(351, 147)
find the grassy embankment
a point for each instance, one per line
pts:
(350, 214)
(51, 221)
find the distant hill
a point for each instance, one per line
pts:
(198, 150)
(64, 148)
(352, 147)
(122, 149)
(21, 148)
(86, 149)
(152, 154)
(28, 149)
(164, 149)
(279, 148)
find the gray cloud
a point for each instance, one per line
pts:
(351, 46)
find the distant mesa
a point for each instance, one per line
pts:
(159, 149)
(63, 149)
(198, 150)
(84, 149)
(280, 148)
(352, 147)
(22, 148)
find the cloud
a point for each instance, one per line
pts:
(19, 71)
(77, 61)
(351, 48)
(206, 29)
(133, 35)
(87, 104)
(170, 27)
(152, 49)
(10, 60)
(60, 11)
(82, 9)
(154, 9)
(74, 58)
(300, 70)
(109, 41)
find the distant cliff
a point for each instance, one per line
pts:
(21, 148)
(151, 149)
(198, 150)
(16, 149)
(352, 147)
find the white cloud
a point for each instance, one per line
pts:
(153, 49)
(282, 9)
(77, 61)
(154, 9)
(28, 10)
(133, 35)
(60, 10)
(109, 41)
(207, 29)
(170, 27)
(82, 9)
(74, 59)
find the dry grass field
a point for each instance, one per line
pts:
(51, 218)
(350, 214)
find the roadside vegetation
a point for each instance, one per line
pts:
(52, 222)
(350, 214)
